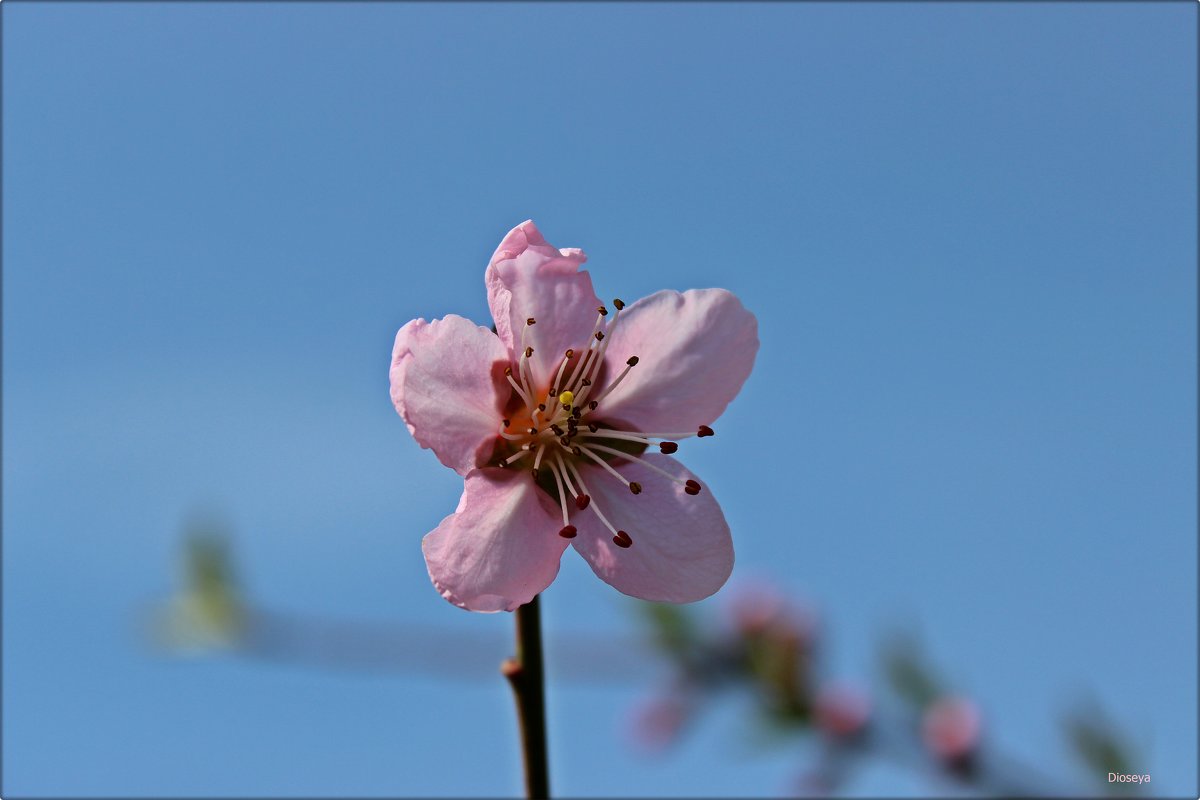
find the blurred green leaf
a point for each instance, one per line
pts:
(673, 629)
(1101, 747)
(907, 673)
(208, 611)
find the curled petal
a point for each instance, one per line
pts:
(695, 349)
(443, 383)
(530, 278)
(681, 550)
(500, 547)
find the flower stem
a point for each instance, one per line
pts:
(526, 675)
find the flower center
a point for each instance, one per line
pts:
(561, 425)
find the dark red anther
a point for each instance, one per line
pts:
(599, 336)
(635, 487)
(603, 311)
(667, 447)
(691, 487)
(532, 431)
(632, 361)
(577, 413)
(570, 353)
(534, 473)
(565, 441)
(531, 321)
(541, 406)
(557, 430)
(622, 539)
(528, 352)
(568, 532)
(592, 405)
(506, 422)
(593, 427)
(581, 501)
(704, 431)
(576, 450)
(508, 372)
(617, 302)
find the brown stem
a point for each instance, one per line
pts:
(525, 674)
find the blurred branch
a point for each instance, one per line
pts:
(211, 613)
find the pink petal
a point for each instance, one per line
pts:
(444, 385)
(695, 350)
(529, 277)
(500, 547)
(681, 549)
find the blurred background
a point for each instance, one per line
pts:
(968, 447)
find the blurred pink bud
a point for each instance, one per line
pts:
(842, 710)
(951, 728)
(759, 607)
(658, 721)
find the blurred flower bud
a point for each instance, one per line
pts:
(841, 711)
(755, 608)
(657, 722)
(760, 608)
(951, 728)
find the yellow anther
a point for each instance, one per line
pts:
(566, 398)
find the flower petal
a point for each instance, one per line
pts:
(681, 551)
(528, 277)
(695, 350)
(500, 547)
(444, 385)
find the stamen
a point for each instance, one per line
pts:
(630, 364)
(562, 496)
(667, 447)
(510, 436)
(537, 461)
(635, 487)
(588, 452)
(580, 366)
(692, 487)
(617, 302)
(519, 390)
(594, 371)
(567, 479)
(581, 502)
(525, 366)
(646, 463)
(705, 431)
(561, 367)
(599, 513)
(568, 532)
(622, 540)
(524, 452)
(605, 433)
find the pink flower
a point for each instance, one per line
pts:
(841, 710)
(551, 420)
(951, 727)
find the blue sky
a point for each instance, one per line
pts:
(968, 233)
